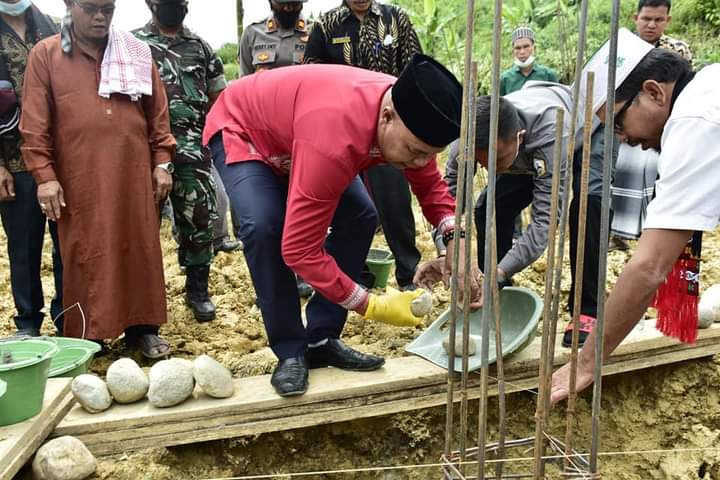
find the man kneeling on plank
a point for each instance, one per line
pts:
(289, 144)
(662, 105)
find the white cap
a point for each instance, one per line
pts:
(631, 50)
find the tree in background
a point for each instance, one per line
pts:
(240, 13)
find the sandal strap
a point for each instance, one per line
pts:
(586, 323)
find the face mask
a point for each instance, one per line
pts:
(14, 9)
(287, 20)
(170, 14)
(526, 63)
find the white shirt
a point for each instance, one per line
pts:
(688, 191)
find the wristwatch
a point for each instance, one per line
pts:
(167, 166)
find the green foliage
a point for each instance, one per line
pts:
(690, 13)
(228, 52)
(441, 27)
(232, 71)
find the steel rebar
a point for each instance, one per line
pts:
(489, 215)
(604, 235)
(499, 363)
(469, 160)
(579, 259)
(540, 415)
(564, 217)
(459, 202)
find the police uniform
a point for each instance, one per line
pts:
(265, 45)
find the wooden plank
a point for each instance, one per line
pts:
(405, 384)
(19, 442)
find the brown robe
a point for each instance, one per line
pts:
(102, 151)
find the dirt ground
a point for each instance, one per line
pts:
(674, 407)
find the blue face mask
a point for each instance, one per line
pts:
(15, 9)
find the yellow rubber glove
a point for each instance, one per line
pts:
(393, 308)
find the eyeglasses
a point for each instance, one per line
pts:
(93, 10)
(620, 114)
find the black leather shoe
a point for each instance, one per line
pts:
(336, 354)
(290, 377)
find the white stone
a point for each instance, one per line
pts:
(126, 381)
(459, 345)
(214, 379)
(91, 392)
(64, 458)
(709, 307)
(422, 305)
(171, 382)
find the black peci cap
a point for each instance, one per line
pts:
(428, 98)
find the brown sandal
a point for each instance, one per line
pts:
(152, 346)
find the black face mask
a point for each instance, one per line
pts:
(170, 14)
(287, 20)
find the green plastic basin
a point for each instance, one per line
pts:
(24, 367)
(520, 310)
(379, 263)
(73, 358)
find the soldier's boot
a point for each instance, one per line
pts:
(196, 293)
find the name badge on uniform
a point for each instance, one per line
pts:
(340, 40)
(540, 166)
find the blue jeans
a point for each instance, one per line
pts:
(24, 225)
(257, 198)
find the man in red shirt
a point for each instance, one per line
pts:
(295, 140)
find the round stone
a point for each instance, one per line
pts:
(459, 345)
(709, 307)
(63, 458)
(126, 381)
(214, 379)
(91, 392)
(422, 305)
(171, 382)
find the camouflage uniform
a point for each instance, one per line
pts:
(266, 45)
(191, 71)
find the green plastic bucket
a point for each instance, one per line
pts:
(74, 357)
(379, 263)
(24, 367)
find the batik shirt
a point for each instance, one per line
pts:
(14, 52)
(191, 71)
(384, 41)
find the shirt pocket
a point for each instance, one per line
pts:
(299, 53)
(264, 59)
(192, 74)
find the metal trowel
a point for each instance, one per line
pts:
(520, 310)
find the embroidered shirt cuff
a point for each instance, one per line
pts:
(355, 299)
(446, 224)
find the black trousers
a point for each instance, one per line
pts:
(24, 225)
(390, 193)
(513, 193)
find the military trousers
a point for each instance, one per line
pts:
(194, 208)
